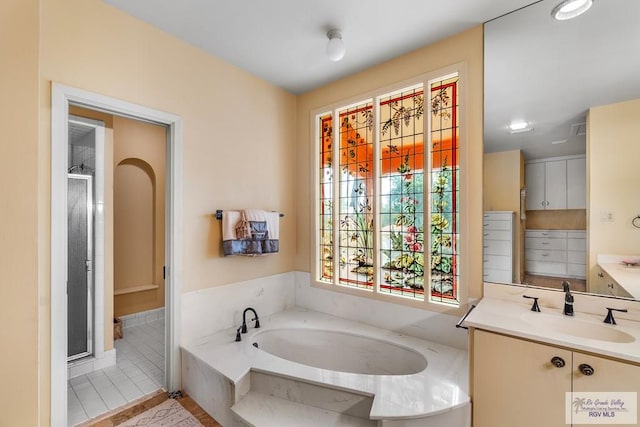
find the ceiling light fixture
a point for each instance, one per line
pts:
(520, 127)
(569, 9)
(335, 47)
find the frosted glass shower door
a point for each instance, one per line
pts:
(79, 267)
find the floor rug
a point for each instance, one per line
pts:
(169, 413)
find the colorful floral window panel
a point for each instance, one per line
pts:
(355, 198)
(401, 197)
(325, 191)
(444, 237)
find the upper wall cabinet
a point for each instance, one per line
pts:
(556, 183)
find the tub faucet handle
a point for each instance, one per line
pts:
(535, 306)
(238, 337)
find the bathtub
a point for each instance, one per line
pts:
(411, 382)
(340, 351)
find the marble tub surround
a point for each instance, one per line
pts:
(206, 312)
(416, 322)
(441, 388)
(626, 276)
(505, 311)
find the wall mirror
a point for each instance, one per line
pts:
(550, 79)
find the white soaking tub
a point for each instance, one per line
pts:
(409, 382)
(340, 351)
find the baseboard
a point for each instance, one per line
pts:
(143, 317)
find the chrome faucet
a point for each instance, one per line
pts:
(244, 321)
(568, 299)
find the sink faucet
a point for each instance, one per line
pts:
(244, 321)
(609, 319)
(568, 299)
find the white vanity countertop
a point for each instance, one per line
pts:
(627, 277)
(517, 319)
(441, 387)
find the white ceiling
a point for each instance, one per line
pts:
(536, 69)
(284, 41)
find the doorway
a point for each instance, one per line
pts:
(62, 98)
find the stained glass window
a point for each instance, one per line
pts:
(388, 193)
(356, 196)
(444, 238)
(325, 191)
(401, 135)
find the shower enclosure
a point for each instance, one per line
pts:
(80, 266)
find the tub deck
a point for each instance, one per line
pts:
(440, 388)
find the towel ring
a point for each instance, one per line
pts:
(636, 221)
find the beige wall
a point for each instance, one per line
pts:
(561, 219)
(20, 245)
(613, 176)
(139, 214)
(227, 114)
(465, 47)
(502, 180)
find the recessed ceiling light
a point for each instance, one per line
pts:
(518, 126)
(568, 9)
(561, 141)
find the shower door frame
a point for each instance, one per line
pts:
(61, 97)
(89, 266)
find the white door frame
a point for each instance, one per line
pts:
(61, 97)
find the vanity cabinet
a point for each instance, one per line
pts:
(608, 286)
(558, 253)
(516, 383)
(557, 183)
(498, 229)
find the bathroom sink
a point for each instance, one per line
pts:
(576, 327)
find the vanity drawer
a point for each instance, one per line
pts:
(577, 245)
(545, 255)
(546, 268)
(577, 257)
(577, 234)
(545, 243)
(578, 271)
(496, 225)
(497, 276)
(546, 233)
(497, 262)
(498, 216)
(497, 247)
(497, 235)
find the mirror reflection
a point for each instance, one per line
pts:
(561, 178)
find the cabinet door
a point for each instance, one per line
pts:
(608, 376)
(515, 383)
(534, 177)
(577, 183)
(556, 184)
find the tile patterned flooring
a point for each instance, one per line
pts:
(139, 370)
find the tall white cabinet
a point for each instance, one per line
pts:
(556, 183)
(498, 238)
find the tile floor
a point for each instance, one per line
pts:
(139, 370)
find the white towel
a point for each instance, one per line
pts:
(229, 221)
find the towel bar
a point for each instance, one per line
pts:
(218, 214)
